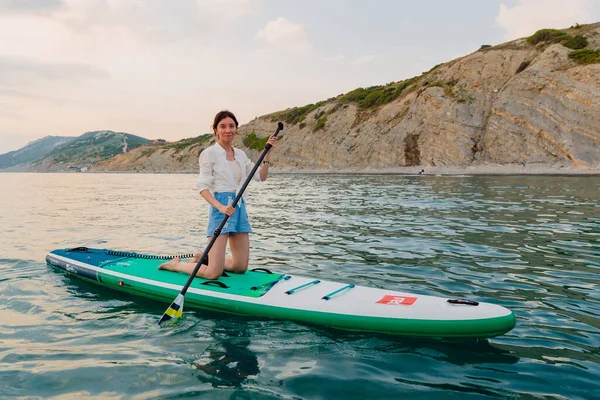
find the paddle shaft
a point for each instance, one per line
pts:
(235, 201)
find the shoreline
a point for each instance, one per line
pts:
(471, 170)
(535, 169)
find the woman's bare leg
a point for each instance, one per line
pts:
(216, 257)
(171, 265)
(228, 260)
(216, 261)
(239, 244)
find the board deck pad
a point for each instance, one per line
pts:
(250, 284)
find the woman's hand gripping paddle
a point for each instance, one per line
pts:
(175, 310)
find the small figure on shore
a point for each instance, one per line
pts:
(422, 172)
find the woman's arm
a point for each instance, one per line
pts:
(206, 182)
(264, 168)
(206, 179)
(207, 195)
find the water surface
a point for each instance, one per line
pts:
(531, 244)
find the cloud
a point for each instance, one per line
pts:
(19, 71)
(71, 34)
(5, 93)
(285, 36)
(6, 112)
(364, 59)
(336, 57)
(528, 16)
(227, 9)
(17, 6)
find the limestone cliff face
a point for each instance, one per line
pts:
(505, 104)
(472, 110)
(550, 111)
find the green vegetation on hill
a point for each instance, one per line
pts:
(252, 141)
(33, 151)
(576, 42)
(94, 146)
(320, 123)
(548, 36)
(366, 98)
(295, 115)
(184, 143)
(585, 56)
(376, 96)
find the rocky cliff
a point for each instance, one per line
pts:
(534, 100)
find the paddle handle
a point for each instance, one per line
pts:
(237, 199)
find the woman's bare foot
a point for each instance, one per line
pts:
(170, 265)
(196, 258)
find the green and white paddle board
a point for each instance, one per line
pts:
(262, 293)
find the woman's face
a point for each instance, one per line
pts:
(226, 129)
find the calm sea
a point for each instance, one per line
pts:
(531, 244)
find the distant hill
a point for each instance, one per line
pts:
(54, 154)
(170, 157)
(88, 149)
(32, 151)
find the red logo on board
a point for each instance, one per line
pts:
(397, 300)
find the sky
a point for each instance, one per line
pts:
(164, 68)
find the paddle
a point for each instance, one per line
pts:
(175, 310)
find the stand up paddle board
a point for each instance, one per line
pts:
(266, 294)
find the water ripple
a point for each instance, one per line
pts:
(531, 244)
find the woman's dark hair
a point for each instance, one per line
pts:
(221, 115)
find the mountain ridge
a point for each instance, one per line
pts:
(65, 153)
(32, 151)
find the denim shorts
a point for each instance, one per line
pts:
(237, 223)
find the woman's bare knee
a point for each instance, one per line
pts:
(240, 252)
(239, 268)
(212, 275)
(209, 273)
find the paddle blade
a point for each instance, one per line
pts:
(174, 311)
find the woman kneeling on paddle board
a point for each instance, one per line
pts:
(223, 170)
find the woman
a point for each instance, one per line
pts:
(223, 170)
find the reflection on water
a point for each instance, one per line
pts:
(228, 361)
(528, 243)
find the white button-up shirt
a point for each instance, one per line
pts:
(215, 173)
